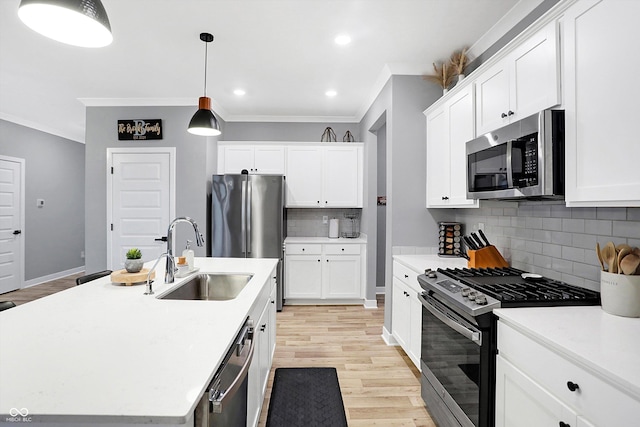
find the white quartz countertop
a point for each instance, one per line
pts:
(326, 240)
(107, 353)
(421, 262)
(588, 336)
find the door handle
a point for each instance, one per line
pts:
(161, 239)
(16, 232)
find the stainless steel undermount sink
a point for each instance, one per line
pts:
(210, 287)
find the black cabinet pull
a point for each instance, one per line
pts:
(510, 113)
(406, 276)
(263, 327)
(503, 115)
(563, 424)
(572, 386)
(445, 197)
(16, 232)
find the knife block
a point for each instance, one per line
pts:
(487, 257)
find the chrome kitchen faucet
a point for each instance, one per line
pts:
(170, 269)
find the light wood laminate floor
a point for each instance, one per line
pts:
(380, 386)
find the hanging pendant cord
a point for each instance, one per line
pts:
(205, 67)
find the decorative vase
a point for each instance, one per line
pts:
(133, 265)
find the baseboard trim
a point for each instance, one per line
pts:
(370, 303)
(388, 338)
(50, 277)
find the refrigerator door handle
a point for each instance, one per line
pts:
(243, 229)
(248, 208)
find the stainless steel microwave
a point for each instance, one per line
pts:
(524, 159)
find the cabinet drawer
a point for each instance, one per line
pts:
(349, 249)
(302, 249)
(406, 274)
(597, 399)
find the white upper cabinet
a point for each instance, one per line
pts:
(521, 84)
(325, 176)
(449, 127)
(601, 105)
(256, 159)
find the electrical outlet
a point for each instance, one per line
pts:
(40, 203)
(325, 219)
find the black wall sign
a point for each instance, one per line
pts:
(139, 129)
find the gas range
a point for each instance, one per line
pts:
(477, 291)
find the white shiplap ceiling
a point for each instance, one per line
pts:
(281, 52)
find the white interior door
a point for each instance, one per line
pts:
(141, 202)
(11, 220)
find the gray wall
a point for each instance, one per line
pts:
(54, 171)
(293, 131)
(195, 156)
(399, 108)
(550, 239)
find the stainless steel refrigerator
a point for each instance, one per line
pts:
(247, 219)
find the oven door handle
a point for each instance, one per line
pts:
(470, 334)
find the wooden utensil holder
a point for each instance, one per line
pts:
(487, 257)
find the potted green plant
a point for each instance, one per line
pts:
(133, 263)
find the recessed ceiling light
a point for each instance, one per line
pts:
(343, 39)
(239, 92)
(331, 93)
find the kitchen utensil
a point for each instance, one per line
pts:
(622, 246)
(470, 243)
(626, 250)
(610, 256)
(599, 256)
(629, 264)
(477, 240)
(484, 237)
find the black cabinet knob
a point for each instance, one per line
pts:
(406, 276)
(572, 386)
(445, 198)
(563, 424)
(510, 113)
(342, 249)
(503, 115)
(16, 232)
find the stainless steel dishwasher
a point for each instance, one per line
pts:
(224, 403)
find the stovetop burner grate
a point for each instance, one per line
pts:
(507, 286)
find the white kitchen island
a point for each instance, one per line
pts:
(107, 354)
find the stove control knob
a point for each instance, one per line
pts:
(432, 275)
(465, 292)
(481, 300)
(472, 295)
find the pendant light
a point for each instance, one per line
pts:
(204, 122)
(81, 23)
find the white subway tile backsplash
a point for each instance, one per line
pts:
(611, 213)
(598, 226)
(573, 254)
(573, 225)
(553, 240)
(626, 229)
(552, 224)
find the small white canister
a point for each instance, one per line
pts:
(334, 228)
(620, 294)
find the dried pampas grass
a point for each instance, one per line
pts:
(459, 60)
(443, 75)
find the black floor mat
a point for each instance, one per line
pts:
(306, 397)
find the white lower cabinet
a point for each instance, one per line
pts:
(264, 346)
(520, 401)
(406, 311)
(323, 272)
(538, 386)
